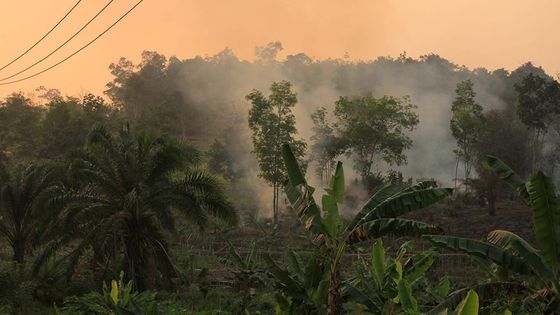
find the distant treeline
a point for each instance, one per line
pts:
(203, 99)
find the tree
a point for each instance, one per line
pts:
(132, 187)
(24, 206)
(375, 128)
(269, 52)
(502, 135)
(220, 162)
(272, 123)
(326, 145)
(67, 122)
(20, 120)
(96, 107)
(64, 128)
(466, 125)
(49, 95)
(147, 95)
(539, 104)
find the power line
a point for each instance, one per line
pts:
(62, 45)
(77, 51)
(44, 36)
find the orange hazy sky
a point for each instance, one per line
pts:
(492, 34)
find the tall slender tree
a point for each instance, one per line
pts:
(539, 106)
(272, 123)
(466, 125)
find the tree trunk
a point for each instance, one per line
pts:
(274, 205)
(277, 213)
(467, 172)
(134, 269)
(535, 152)
(491, 202)
(533, 157)
(18, 247)
(334, 299)
(456, 174)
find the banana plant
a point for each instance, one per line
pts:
(302, 284)
(249, 276)
(538, 268)
(119, 299)
(383, 284)
(469, 306)
(246, 268)
(378, 217)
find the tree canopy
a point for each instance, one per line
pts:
(376, 129)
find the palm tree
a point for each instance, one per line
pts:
(131, 189)
(23, 207)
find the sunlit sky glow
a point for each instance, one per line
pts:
(476, 33)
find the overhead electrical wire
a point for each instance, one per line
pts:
(61, 45)
(44, 36)
(77, 51)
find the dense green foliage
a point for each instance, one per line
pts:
(379, 217)
(25, 208)
(157, 187)
(131, 185)
(538, 270)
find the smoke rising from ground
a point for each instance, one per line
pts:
(215, 87)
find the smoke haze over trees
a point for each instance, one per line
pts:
(202, 99)
(211, 91)
(149, 182)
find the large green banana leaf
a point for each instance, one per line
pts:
(378, 197)
(395, 206)
(391, 226)
(546, 217)
(407, 301)
(456, 297)
(300, 194)
(469, 306)
(512, 242)
(332, 221)
(284, 277)
(376, 218)
(406, 202)
(418, 266)
(508, 175)
(384, 201)
(481, 249)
